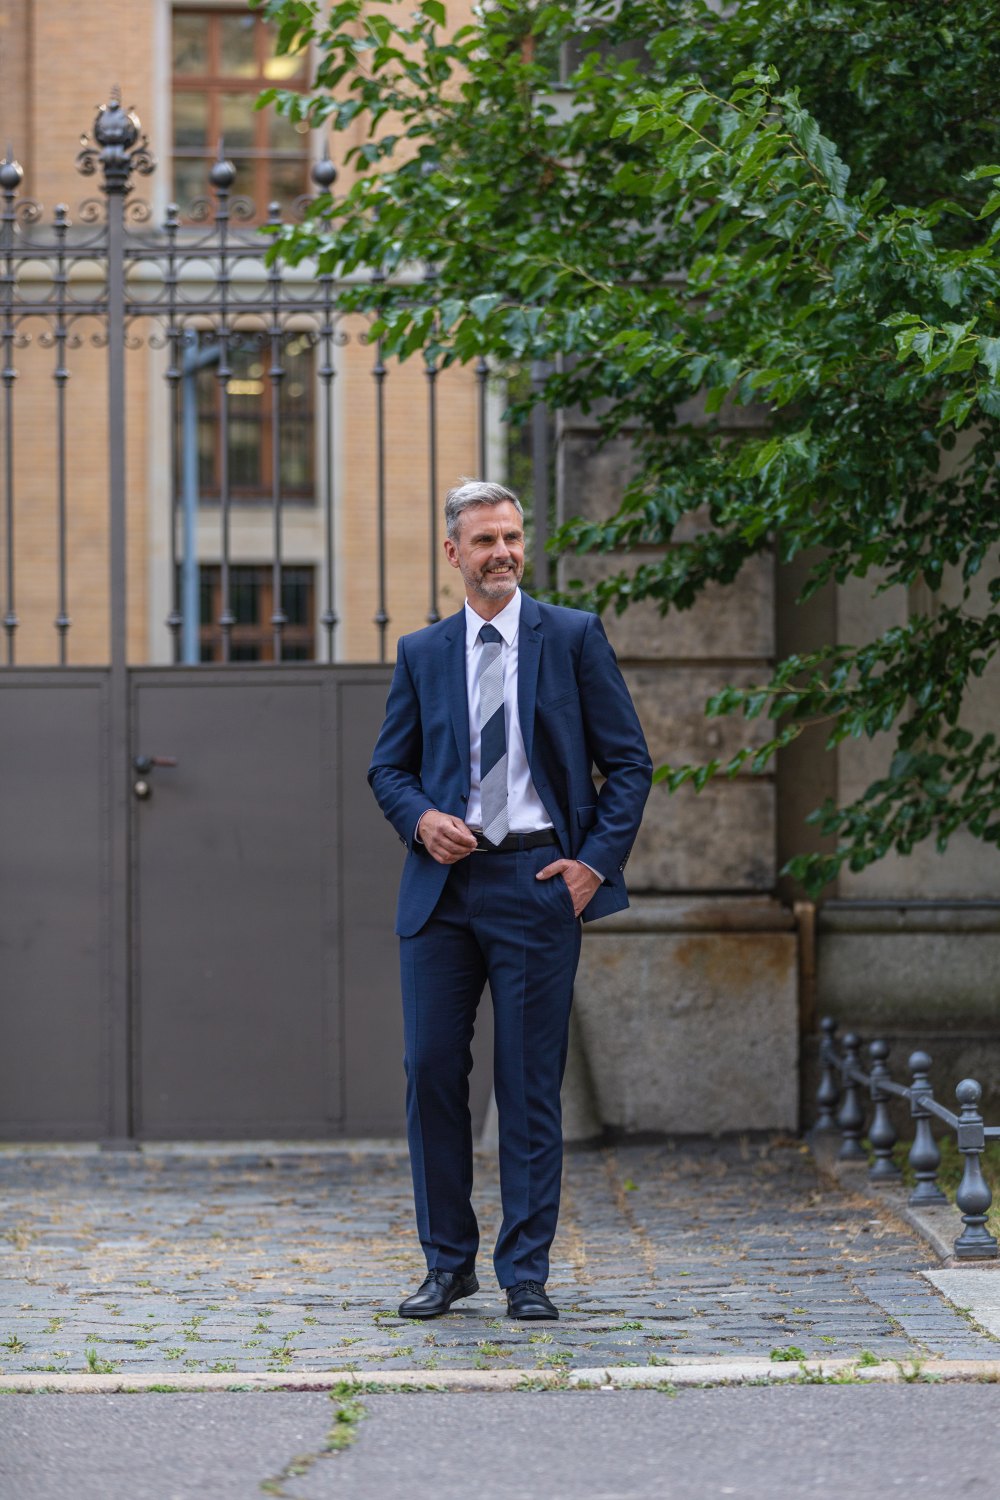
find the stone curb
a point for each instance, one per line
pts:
(607, 1377)
(91, 1152)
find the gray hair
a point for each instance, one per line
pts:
(475, 492)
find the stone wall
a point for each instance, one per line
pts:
(697, 1009)
(686, 1016)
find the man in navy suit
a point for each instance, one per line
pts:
(495, 721)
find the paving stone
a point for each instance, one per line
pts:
(295, 1260)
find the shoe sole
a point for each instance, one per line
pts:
(441, 1312)
(534, 1317)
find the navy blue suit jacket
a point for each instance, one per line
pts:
(576, 714)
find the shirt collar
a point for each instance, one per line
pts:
(506, 621)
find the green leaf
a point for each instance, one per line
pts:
(957, 408)
(483, 305)
(989, 355)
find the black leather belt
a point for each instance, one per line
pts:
(515, 841)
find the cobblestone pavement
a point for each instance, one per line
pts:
(296, 1260)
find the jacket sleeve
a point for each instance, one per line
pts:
(618, 749)
(394, 773)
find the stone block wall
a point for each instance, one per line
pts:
(677, 1009)
(686, 1011)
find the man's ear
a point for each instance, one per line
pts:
(451, 551)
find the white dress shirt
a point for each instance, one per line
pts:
(525, 810)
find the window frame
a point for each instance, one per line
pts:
(213, 85)
(257, 634)
(208, 415)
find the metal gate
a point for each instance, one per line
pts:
(196, 888)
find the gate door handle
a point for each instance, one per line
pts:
(144, 764)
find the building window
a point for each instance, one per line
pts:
(221, 62)
(251, 394)
(251, 599)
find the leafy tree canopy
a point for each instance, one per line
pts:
(791, 207)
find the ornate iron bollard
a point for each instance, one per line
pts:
(882, 1132)
(828, 1093)
(851, 1117)
(973, 1196)
(925, 1157)
(841, 1080)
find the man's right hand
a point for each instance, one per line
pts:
(445, 838)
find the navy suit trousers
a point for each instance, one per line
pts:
(494, 922)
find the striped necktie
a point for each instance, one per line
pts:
(493, 736)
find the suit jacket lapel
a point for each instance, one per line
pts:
(456, 688)
(529, 649)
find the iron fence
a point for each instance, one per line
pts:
(201, 289)
(840, 1104)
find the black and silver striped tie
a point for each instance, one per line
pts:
(493, 736)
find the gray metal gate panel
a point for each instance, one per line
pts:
(263, 885)
(370, 860)
(218, 959)
(237, 1002)
(54, 906)
(265, 966)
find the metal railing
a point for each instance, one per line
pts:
(208, 279)
(841, 1106)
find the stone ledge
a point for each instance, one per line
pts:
(696, 914)
(909, 916)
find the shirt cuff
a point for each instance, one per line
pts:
(591, 869)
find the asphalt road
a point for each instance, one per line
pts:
(783, 1443)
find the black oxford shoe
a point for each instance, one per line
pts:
(528, 1300)
(437, 1292)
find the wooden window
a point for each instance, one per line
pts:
(251, 405)
(221, 62)
(251, 598)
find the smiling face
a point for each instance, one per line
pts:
(488, 551)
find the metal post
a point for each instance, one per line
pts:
(276, 375)
(61, 374)
(882, 1133)
(222, 177)
(11, 173)
(851, 1118)
(540, 481)
(482, 376)
(175, 619)
(327, 374)
(118, 151)
(378, 375)
(195, 359)
(324, 175)
(925, 1158)
(973, 1196)
(828, 1093)
(431, 371)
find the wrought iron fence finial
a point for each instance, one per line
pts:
(11, 171)
(323, 172)
(223, 173)
(120, 148)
